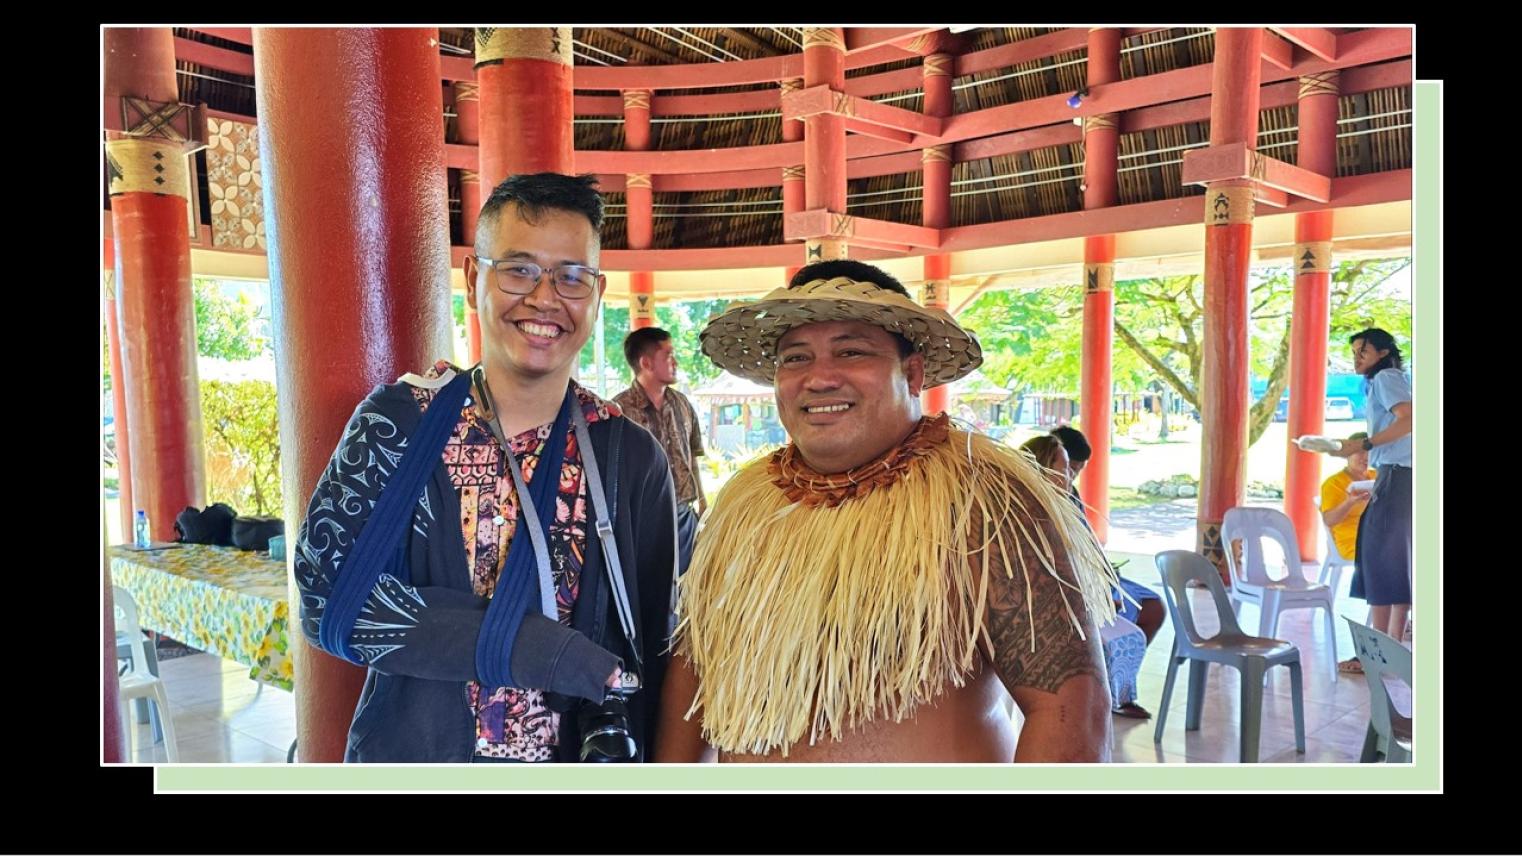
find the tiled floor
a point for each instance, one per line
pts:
(220, 716)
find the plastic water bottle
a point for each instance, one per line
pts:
(140, 530)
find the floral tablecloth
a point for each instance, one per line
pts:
(225, 601)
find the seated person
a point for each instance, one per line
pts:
(1141, 613)
(1341, 509)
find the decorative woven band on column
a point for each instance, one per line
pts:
(1313, 257)
(147, 166)
(1098, 277)
(941, 152)
(636, 99)
(168, 120)
(1320, 83)
(937, 65)
(641, 307)
(637, 179)
(108, 282)
(791, 84)
(465, 90)
(1099, 122)
(792, 173)
(815, 37)
(919, 43)
(468, 177)
(1225, 206)
(495, 44)
(1211, 548)
(824, 250)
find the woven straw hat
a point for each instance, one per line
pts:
(743, 340)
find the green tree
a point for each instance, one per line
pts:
(615, 321)
(242, 444)
(227, 328)
(1033, 339)
(684, 320)
(1161, 321)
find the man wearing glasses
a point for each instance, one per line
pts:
(450, 678)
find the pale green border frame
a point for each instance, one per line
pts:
(1424, 775)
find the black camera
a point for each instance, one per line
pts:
(605, 737)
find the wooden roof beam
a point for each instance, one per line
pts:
(1320, 42)
(1277, 50)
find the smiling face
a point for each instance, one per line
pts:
(844, 393)
(535, 335)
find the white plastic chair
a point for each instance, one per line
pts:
(138, 682)
(1250, 582)
(1334, 563)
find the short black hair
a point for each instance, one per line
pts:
(861, 272)
(1379, 340)
(641, 342)
(1073, 440)
(536, 192)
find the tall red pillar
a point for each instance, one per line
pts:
(149, 187)
(1224, 392)
(118, 392)
(1101, 139)
(467, 108)
(360, 286)
(526, 108)
(792, 176)
(1312, 316)
(935, 212)
(639, 207)
(824, 138)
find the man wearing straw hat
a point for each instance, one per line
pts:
(872, 591)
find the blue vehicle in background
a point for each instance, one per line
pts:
(1344, 397)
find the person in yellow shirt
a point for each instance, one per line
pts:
(1341, 510)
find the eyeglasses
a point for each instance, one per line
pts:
(513, 276)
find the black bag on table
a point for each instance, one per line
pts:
(214, 525)
(254, 533)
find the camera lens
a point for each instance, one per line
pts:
(605, 733)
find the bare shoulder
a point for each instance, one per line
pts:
(1034, 605)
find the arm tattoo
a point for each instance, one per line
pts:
(1014, 612)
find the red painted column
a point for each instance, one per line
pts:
(1224, 394)
(1101, 139)
(637, 120)
(360, 289)
(639, 208)
(792, 176)
(1312, 318)
(467, 108)
(641, 299)
(824, 139)
(526, 112)
(150, 183)
(118, 393)
(936, 208)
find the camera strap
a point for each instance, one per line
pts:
(603, 513)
